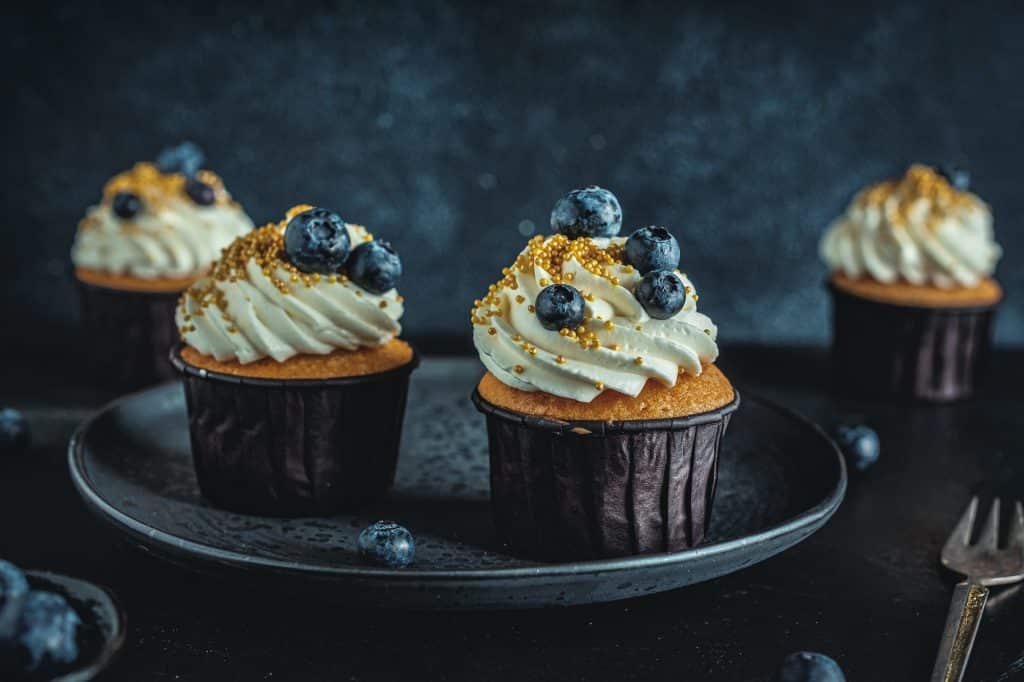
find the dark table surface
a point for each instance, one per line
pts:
(867, 590)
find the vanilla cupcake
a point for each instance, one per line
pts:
(914, 298)
(604, 408)
(156, 230)
(295, 378)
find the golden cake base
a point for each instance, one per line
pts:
(691, 395)
(340, 363)
(988, 292)
(160, 285)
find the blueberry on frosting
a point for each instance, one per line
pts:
(588, 212)
(185, 158)
(958, 177)
(652, 248)
(126, 205)
(559, 306)
(375, 266)
(200, 192)
(661, 293)
(316, 240)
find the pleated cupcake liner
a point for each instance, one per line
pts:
(578, 490)
(294, 447)
(909, 353)
(126, 335)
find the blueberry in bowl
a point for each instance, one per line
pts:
(386, 542)
(375, 266)
(67, 630)
(652, 248)
(316, 240)
(661, 293)
(588, 212)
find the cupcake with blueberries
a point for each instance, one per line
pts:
(295, 377)
(156, 230)
(914, 297)
(604, 407)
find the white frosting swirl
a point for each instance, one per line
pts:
(626, 348)
(918, 229)
(171, 236)
(248, 309)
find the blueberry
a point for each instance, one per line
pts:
(661, 293)
(317, 241)
(14, 432)
(13, 591)
(859, 444)
(559, 306)
(200, 192)
(588, 212)
(185, 158)
(386, 542)
(47, 630)
(959, 177)
(375, 266)
(126, 205)
(807, 666)
(652, 248)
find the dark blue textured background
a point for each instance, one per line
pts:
(451, 129)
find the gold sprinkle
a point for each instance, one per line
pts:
(531, 309)
(614, 346)
(492, 331)
(520, 298)
(517, 338)
(599, 385)
(609, 325)
(544, 281)
(639, 327)
(560, 360)
(383, 304)
(519, 369)
(638, 360)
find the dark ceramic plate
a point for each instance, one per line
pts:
(780, 480)
(102, 631)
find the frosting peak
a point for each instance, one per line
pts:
(918, 228)
(166, 234)
(255, 303)
(618, 346)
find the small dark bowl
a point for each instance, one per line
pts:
(100, 636)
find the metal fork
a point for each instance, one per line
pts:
(984, 564)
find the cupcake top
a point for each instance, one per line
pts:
(922, 229)
(309, 284)
(159, 220)
(584, 311)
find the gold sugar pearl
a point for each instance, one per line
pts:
(519, 369)
(560, 360)
(599, 385)
(492, 331)
(638, 360)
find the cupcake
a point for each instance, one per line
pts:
(913, 295)
(604, 408)
(295, 379)
(156, 230)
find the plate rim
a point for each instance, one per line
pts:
(813, 517)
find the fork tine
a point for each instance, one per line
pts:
(989, 538)
(1016, 537)
(961, 535)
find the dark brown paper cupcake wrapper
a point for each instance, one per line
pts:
(881, 350)
(126, 335)
(587, 490)
(297, 446)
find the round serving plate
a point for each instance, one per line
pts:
(780, 479)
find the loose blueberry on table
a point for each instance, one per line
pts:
(807, 666)
(386, 542)
(126, 205)
(14, 432)
(652, 248)
(185, 158)
(317, 240)
(13, 592)
(200, 192)
(559, 306)
(587, 212)
(661, 293)
(375, 266)
(859, 445)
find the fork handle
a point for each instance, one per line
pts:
(961, 626)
